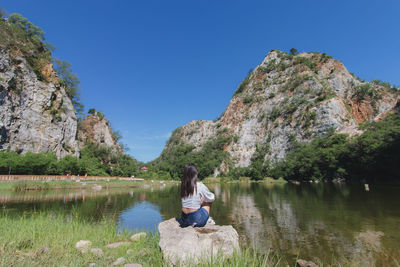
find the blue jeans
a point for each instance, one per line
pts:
(198, 218)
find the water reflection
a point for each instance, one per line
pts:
(142, 216)
(321, 222)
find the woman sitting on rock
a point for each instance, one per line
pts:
(196, 199)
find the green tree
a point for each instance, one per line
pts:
(24, 24)
(293, 51)
(68, 164)
(70, 81)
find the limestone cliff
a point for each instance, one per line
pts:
(287, 97)
(95, 129)
(35, 116)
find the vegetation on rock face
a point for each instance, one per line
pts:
(70, 82)
(207, 159)
(22, 38)
(243, 84)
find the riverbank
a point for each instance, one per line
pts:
(44, 182)
(49, 240)
(97, 184)
(244, 180)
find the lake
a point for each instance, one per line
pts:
(319, 222)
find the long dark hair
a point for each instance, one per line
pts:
(189, 180)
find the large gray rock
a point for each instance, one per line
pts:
(183, 245)
(35, 116)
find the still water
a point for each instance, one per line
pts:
(320, 222)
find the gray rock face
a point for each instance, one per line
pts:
(35, 116)
(188, 245)
(94, 129)
(288, 97)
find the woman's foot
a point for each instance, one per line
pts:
(210, 221)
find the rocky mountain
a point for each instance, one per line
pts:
(35, 116)
(38, 104)
(288, 97)
(95, 129)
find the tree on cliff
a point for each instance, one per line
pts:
(70, 81)
(24, 24)
(293, 51)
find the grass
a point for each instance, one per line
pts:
(243, 179)
(20, 186)
(25, 239)
(272, 180)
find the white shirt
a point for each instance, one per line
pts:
(194, 201)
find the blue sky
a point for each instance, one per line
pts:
(152, 66)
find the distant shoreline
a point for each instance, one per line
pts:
(49, 182)
(28, 177)
(46, 182)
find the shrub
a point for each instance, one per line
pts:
(294, 82)
(248, 99)
(275, 113)
(271, 66)
(306, 61)
(363, 91)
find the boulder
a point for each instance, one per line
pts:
(183, 245)
(304, 263)
(133, 265)
(117, 244)
(138, 236)
(97, 251)
(118, 261)
(83, 245)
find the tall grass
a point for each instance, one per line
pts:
(25, 186)
(25, 239)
